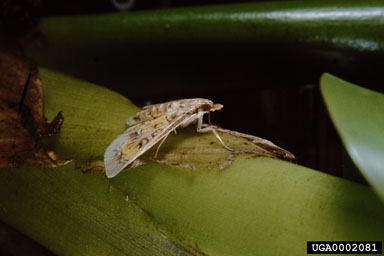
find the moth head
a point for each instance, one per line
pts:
(216, 107)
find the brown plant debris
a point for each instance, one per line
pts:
(195, 151)
(268, 148)
(20, 132)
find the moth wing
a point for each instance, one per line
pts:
(113, 158)
(151, 112)
(136, 140)
(149, 106)
(141, 116)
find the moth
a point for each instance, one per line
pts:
(153, 124)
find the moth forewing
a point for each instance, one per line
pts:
(113, 159)
(152, 125)
(127, 148)
(153, 111)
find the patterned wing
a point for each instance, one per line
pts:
(168, 108)
(149, 113)
(137, 139)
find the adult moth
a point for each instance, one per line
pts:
(153, 124)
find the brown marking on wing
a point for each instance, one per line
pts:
(155, 133)
(164, 108)
(133, 135)
(172, 116)
(143, 142)
(127, 151)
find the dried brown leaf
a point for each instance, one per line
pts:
(20, 132)
(192, 150)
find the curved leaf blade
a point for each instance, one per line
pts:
(357, 114)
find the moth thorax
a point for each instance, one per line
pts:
(205, 107)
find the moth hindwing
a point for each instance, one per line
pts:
(151, 125)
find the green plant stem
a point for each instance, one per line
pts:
(258, 206)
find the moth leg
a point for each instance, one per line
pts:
(209, 118)
(210, 129)
(162, 141)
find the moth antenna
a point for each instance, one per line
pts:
(162, 141)
(210, 129)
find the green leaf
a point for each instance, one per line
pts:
(145, 48)
(357, 114)
(341, 24)
(257, 206)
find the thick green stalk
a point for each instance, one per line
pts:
(256, 206)
(216, 48)
(354, 25)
